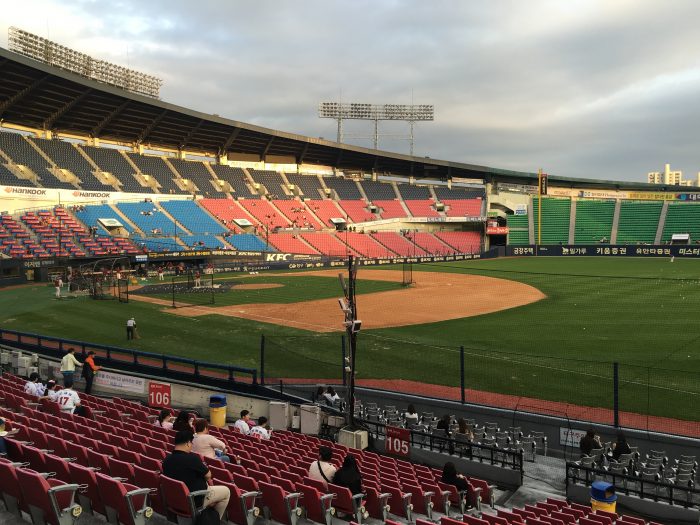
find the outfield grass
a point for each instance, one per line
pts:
(641, 313)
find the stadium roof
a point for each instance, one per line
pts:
(40, 96)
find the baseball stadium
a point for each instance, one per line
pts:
(457, 313)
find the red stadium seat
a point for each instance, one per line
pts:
(281, 506)
(48, 500)
(348, 502)
(125, 504)
(319, 507)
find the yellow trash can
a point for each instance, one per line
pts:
(217, 410)
(603, 496)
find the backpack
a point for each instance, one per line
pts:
(208, 516)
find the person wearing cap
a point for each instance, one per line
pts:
(130, 327)
(68, 364)
(261, 430)
(185, 466)
(89, 371)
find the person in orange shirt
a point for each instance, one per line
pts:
(89, 371)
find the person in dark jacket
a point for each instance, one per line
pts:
(589, 442)
(349, 475)
(620, 446)
(451, 477)
(183, 421)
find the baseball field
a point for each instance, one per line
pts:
(531, 328)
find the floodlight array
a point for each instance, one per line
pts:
(39, 48)
(360, 111)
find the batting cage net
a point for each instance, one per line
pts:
(123, 290)
(193, 289)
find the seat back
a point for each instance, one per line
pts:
(121, 469)
(150, 479)
(343, 501)
(176, 497)
(88, 493)
(9, 486)
(113, 494)
(273, 496)
(35, 490)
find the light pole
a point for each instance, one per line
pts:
(352, 327)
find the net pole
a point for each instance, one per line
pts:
(172, 280)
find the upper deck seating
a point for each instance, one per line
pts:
(414, 193)
(248, 242)
(237, 179)
(90, 214)
(444, 193)
(158, 169)
(375, 190)
(21, 152)
(273, 182)
(7, 178)
(66, 156)
(345, 189)
(198, 173)
(111, 161)
(309, 185)
(226, 211)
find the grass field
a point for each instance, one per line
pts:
(641, 313)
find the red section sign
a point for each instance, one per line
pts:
(398, 441)
(159, 395)
(497, 230)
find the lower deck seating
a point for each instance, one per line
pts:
(390, 209)
(325, 210)
(430, 243)
(291, 243)
(328, 244)
(357, 210)
(399, 244)
(463, 242)
(422, 208)
(365, 245)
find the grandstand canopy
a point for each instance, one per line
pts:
(40, 96)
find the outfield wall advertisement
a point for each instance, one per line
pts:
(604, 250)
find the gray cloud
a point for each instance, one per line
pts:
(579, 88)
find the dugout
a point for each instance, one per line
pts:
(11, 272)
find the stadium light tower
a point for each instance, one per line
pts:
(410, 113)
(39, 48)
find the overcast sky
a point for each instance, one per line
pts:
(603, 89)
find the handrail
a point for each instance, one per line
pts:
(658, 490)
(507, 458)
(112, 355)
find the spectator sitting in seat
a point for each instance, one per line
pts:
(590, 441)
(184, 466)
(262, 429)
(451, 477)
(463, 429)
(52, 390)
(322, 469)
(206, 444)
(319, 395)
(33, 384)
(183, 421)
(444, 424)
(165, 419)
(242, 424)
(349, 475)
(411, 416)
(332, 398)
(620, 446)
(68, 399)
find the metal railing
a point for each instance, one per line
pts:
(511, 458)
(663, 490)
(135, 360)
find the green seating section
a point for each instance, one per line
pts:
(518, 237)
(594, 219)
(638, 222)
(518, 233)
(555, 220)
(682, 217)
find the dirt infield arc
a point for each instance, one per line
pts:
(434, 297)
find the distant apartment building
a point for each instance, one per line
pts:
(671, 178)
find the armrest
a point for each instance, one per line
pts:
(357, 497)
(138, 492)
(197, 493)
(63, 488)
(327, 498)
(47, 475)
(70, 460)
(120, 479)
(250, 494)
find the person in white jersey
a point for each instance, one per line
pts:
(68, 399)
(261, 430)
(242, 424)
